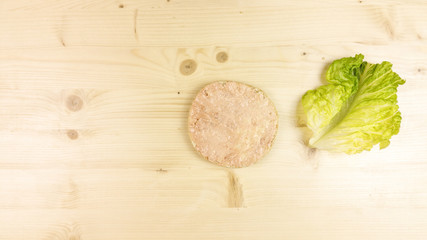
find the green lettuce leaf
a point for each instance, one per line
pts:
(357, 109)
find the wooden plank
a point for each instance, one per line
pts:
(356, 223)
(233, 25)
(93, 109)
(294, 186)
(297, 66)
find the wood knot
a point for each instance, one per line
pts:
(72, 134)
(221, 57)
(121, 6)
(188, 67)
(311, 152)
(69, 231)
(161, 170)
(235, 192)
(74, 103)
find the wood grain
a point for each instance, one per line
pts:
(94, 97)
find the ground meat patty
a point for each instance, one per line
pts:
(232, 124)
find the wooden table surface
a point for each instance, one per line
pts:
(94, 101)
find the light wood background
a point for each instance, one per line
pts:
(93, 108)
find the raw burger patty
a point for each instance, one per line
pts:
(232, 124)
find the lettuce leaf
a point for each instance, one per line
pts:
(357, 109)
